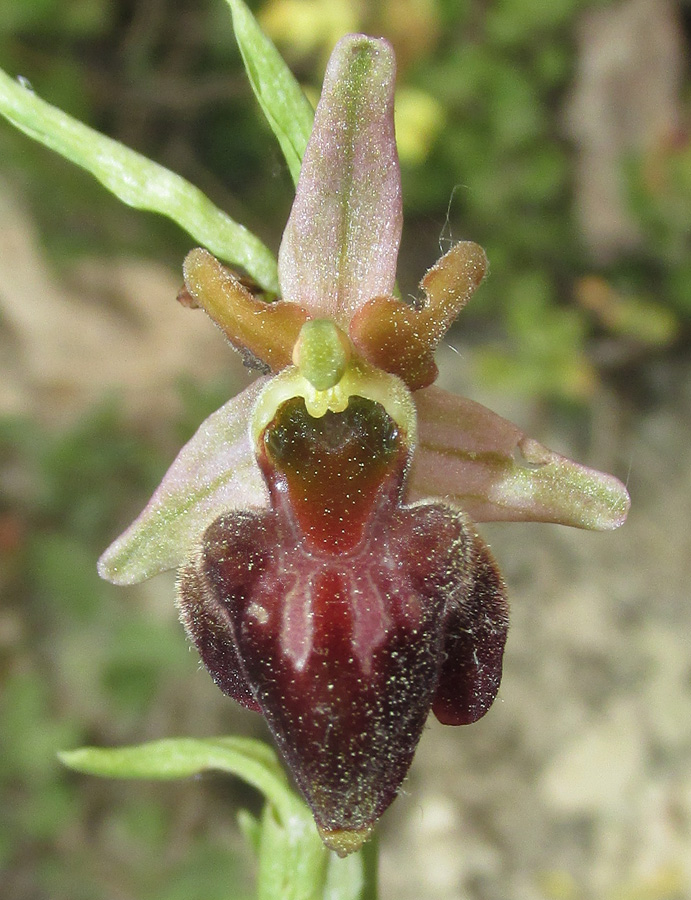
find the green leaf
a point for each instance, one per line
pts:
(281, 98)
(293, 862)
(250, 760)
(137, 181)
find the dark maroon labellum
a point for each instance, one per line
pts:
(343, 615)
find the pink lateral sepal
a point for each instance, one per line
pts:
(215, 471)
(483, 462)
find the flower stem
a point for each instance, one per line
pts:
(370, 869)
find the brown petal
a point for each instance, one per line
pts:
(401, 339)
(267, 330)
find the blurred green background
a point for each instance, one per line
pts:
(572, 169)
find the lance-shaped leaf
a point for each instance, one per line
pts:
(340, 246)
(297, 861)
(283, 102)
(252, 760)
(469, 454)
(293, 863)
(137, 181)
(215, 471)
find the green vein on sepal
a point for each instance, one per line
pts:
(283, 102)
(137, 181)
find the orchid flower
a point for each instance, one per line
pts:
(331, 576)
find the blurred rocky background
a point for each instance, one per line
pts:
(556, 134)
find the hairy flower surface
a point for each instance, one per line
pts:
(330, 574)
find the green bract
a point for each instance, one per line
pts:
(281, 98)
(136, 180)
(293, 863)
